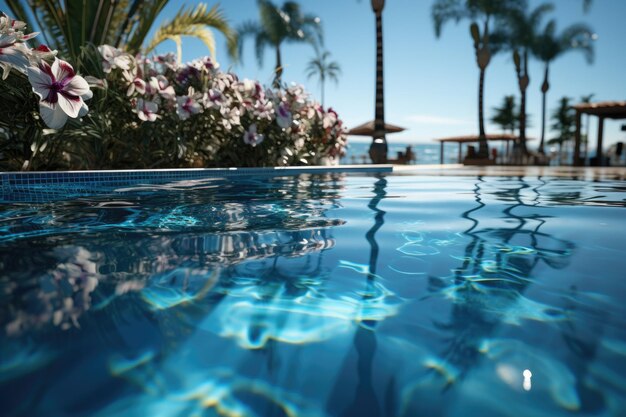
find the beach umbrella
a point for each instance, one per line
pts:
(367, 129)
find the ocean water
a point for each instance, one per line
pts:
(424, 153)
(312, 296)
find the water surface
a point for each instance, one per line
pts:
(316, 296)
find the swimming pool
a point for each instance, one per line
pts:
(315, 295)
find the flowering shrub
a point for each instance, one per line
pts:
(149, 112)
(220, 119)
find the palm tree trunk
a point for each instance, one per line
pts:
(522, 116)
(483, 147)
(544, 92)
(278, 71)
(322, 83)
(378, 148)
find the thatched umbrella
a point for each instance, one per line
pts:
(368, 129)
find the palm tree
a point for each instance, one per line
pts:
(323, 69)
(506, 116)
(564, 123)
(477, 11)
(70, 25)
(279, 25)
(586, 99)
(521, 30)
(549, 46)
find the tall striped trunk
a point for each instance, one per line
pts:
(483, 57)
(544, 93)
(378, 148)
(524, 81)
(483, 147)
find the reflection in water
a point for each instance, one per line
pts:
(487, 288)
(263, 299)
(365, 398)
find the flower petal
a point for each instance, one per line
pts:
(16, 56)
(62, 70)
(70, 104)
(7, 40)
(77, 86)
(53, 116)
(40, 81)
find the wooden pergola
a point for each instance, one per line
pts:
(506, 137)
(603, 110)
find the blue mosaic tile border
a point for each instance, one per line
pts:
(42, 186)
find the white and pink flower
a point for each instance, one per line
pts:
(187, 105)
(135, 84)
(330, 118)
(284, 117)
(10, 26)
(251, 137)
(230, 117)
(61, 91)
(264, 109)
(146, 110)
(212, 98)
(160, 85)
(113, 58)
(12, 55)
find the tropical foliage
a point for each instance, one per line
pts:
(506, 116)
(279, 25)
(481, 14)
(585, 137)
(324, 69)
(149, 112)
(548, 46)
(69, 25)
(563, 123)
(521, 30)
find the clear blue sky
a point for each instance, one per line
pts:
(431, 84)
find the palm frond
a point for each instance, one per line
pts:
(142, 22)
(311, 27)
(260, 42)
(195, 22)
(274, 21)
(537, 15)
(125, 17)
(443, 11)
(246, 30)
(51, 23)
(579, 37)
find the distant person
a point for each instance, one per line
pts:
(409, 155)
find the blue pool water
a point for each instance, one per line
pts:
(316, 296)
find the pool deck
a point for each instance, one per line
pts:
(588, 173)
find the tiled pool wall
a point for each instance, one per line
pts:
(43, 185)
